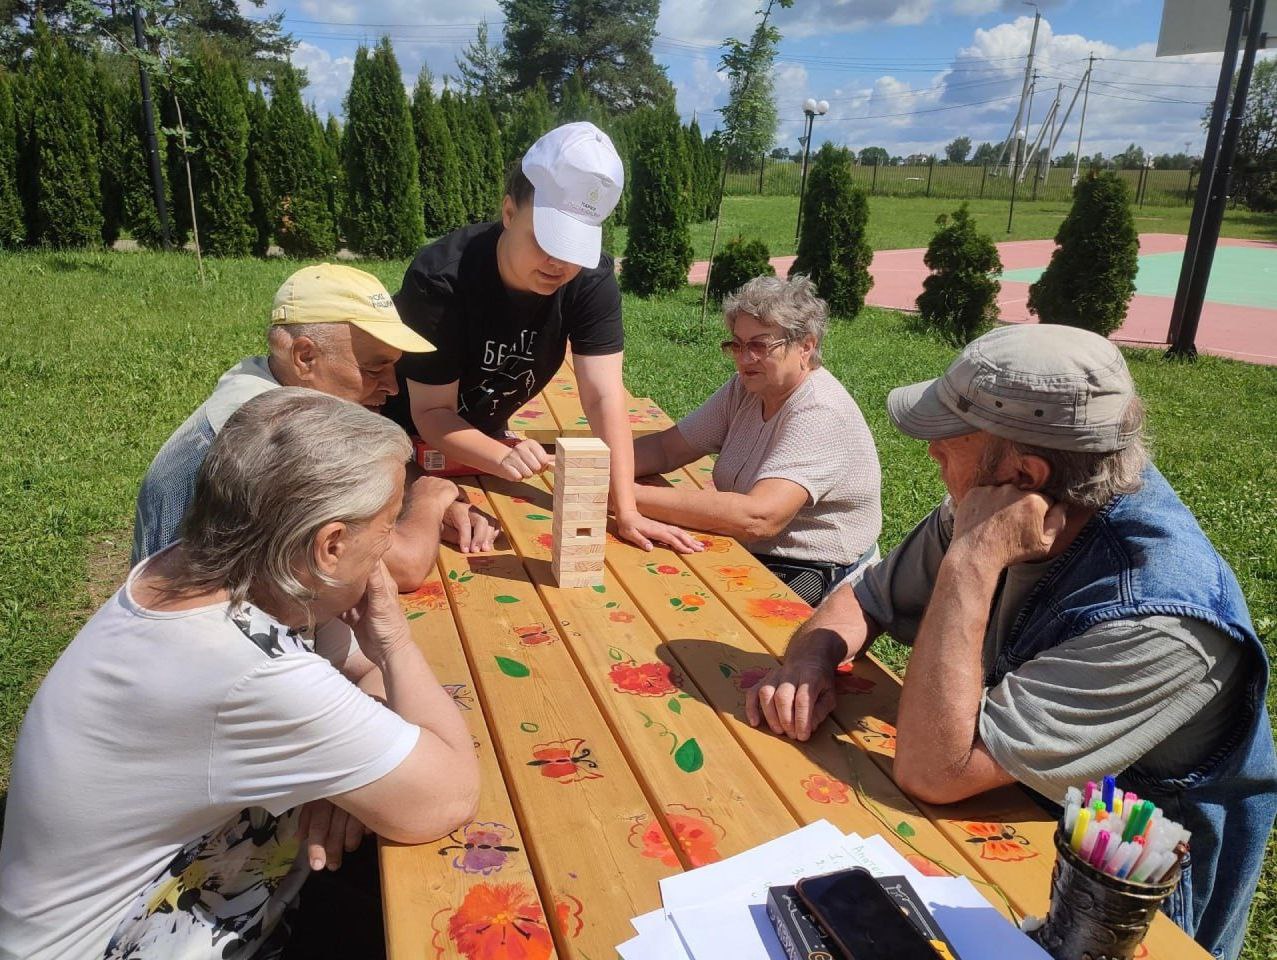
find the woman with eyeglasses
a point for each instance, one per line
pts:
(797, 477)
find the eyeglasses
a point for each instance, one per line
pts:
(753, 349)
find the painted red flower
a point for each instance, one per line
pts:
(847, 682)
(566, 761)
(531, 413)
(520, 500)
(667, 569)
(480, 847)
(713, 544)
(924, 866)
(501, 921)
(825, 789)
(534, 634)
(692, 600)
(429, 596)
(696, 833)
(651, 842)
(644, 679)
(751, 677)
(776, 611)
(998, 841)
(621, 616)
(545, 540)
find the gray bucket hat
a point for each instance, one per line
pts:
(1042, 384)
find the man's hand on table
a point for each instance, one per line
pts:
(794, 698)
(329, 833)
(997, 527)
(642, 531)
(524, 460)
(472, 530)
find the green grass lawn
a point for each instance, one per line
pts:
(102, 355)
(899, 223)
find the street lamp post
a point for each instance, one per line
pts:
(811, 108)
(1015, 179)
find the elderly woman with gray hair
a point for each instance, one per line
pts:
(199, 748)
(797, 477)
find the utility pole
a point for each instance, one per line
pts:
(1050, 146)
(152, 146)
(1059, 132)
(1215, 181)
(1086, 82)
(1028, 120)
(1024, 90)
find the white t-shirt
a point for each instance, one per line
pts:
(155, 782)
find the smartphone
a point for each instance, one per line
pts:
(861, 918)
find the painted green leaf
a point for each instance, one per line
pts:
(414, 616)
(610, 604)
(599, 588)
(615, 654)
(905, 830)
(538, 516)
(689, 757)
(506, 598)
(675, 602)
(676, 706)
(725, 669)
(464, 579)
(528, 727)
(512, 668)
(452, 574)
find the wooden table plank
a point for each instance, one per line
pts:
(689, 763)
(535, 421)
(701, 471)
(426, 886)
(571, 784)
(646, 417)
(561, 396)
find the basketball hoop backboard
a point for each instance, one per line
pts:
(1201, 26)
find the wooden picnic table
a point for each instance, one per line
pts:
(609, 724)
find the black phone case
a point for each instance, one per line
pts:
(886, 932)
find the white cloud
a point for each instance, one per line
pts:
(329, 76)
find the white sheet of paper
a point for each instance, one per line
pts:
(728, 930)
(972, 925)
(660, 940)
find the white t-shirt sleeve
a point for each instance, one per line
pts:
(294, 730)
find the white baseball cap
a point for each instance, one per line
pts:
(576, 176)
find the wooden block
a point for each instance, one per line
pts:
(580, 510)
(587, 462)
(569, 580)
(588, 496)
(583, 446)
(579, 564)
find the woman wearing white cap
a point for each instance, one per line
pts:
(502, 301)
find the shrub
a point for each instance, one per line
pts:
(301, 218)
(832, 249)
(256, 183)
(736, 264)
(437, 162)
(383, 195)
(959, 299)
(1091, 276)
(659, 250)
(12, 230)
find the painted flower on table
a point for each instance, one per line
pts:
(998, 841)
(924, 866)
(662, 569)
(713, 544)
(544, 540)
(566, 761)
(429, 596)
(750, 678)
(501, 921)
(520, 500)
(689, 602)
(846, 681)
(696, 834)
(778, 612)
(531, 413)
(621, 616)
(824, 789)
(644, 679)
(534, 634)
(876, 734)
(481, 848)
(737, 578)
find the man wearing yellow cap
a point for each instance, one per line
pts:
(334, 329)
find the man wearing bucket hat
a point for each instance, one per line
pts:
(334, 329)
(1067, 615)
(502, 301)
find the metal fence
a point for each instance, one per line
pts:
(772, 177)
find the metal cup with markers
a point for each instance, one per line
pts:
(1117, 861)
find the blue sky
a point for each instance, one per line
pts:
(906, 74)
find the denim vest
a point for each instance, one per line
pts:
(1143, 555)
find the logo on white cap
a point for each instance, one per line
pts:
(577, 177)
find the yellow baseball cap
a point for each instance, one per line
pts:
(332, 293)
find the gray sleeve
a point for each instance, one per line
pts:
(705, 428)
(895, 591)
(1099, 702)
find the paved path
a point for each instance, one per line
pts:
(1226, 329)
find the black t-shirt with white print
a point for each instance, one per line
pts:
(502, 345)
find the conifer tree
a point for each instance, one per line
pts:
(110, 108)
(531, 118)
(1091, 277)
(832, 249)
(461, 127)
(959, 298)
(437, 164)
(299, 213)
(255, 170)
(12, 230)
(383, 195)
(213, 105)
(492, 184)
(336, 173)
(67, 207)
(141, 218)
(659, 250)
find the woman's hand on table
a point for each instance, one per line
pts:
(525, 460)
(642, 531)
(472, 530)
(328, 832)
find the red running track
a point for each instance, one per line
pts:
(1243, 333)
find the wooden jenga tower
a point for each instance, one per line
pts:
(581, 472)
